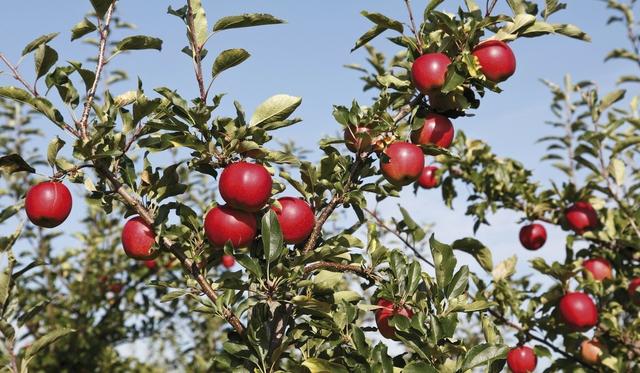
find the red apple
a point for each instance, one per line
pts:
(578, 311)
(600, 268)
(245, 186)
(429, 71)
(388, 310)
(406, 162)
(522, 359)
(496, 60)
(533, 236)
(437, 130)
(428, 178)
(358, 139)
(296, 219)
(591, 350)
(48, 204)
(228, 261)
(633, 293)
(151, 264)
(138, 239)
(116, 287)
(581, 217)
(225, 224)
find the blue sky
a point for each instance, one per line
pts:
(305, 57)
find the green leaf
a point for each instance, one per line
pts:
(45, 57)
(246, 20)
(419, 367)
(616, 169)
(52, 151)
(139, 42)
(228, 59)
(38, 42)
(572, 32)
(82, 28)
(101, 6)
(317, 365)
(444, 261)
(611, 98)
(271, 237)
(459, 283)
(505, 269)
(199, 22)
(14, 163)
(274, 109)
(432, 5)
(483, 354)
(11, 211)
(383, 21)
(477, 249)
(45, 341)
(368, 36)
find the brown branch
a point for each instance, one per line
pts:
(18, 77)
(412, 25)
(104, 33)
(408, 244)
(195, 53)
(366, 273)
(172, 247)
(406, 109)
(540, 339)
(490, 7)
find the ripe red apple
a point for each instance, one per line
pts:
(533, 236)
(358, 139)
(224, 223)
(578, 311)
(406, 162)
(581, 217)
(522, 359)
(591, 350)
(428, 178)
(600, 268)
(437, 130)
(429, 71)
(496, 60)
(635, 295)
(228, 261)
(388, 310)
(48, 204)
(151, 264)
(138, 239)
(296, 219)
(245, 186)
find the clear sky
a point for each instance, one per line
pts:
(305, 57)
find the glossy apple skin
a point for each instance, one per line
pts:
(496, 59)
(429, 71)
(405, 165)
(245, 186)
(578, 311)
(138, 239)
(384, 314)
(533, 236)
(151, 264)
(591, 350)
(428, 178)
(600, 268)
(296, 219)
(224, 223)
(437, 130)
(48, 204)
(358, 139)
(581, 217)
(633, 294)
(522, 359)
(228, 261)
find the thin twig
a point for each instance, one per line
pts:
(195, 51)
(366, 273)
(384, 226)
(412, 25)
(18, 77)
(104, 33)
(490, 7)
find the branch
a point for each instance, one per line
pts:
(195, 53)
(541, 340)
(18, 77)
(104, 33)
(366, 273)
(384, 226)
(413, 25)
(174, 248)
(490, 7)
